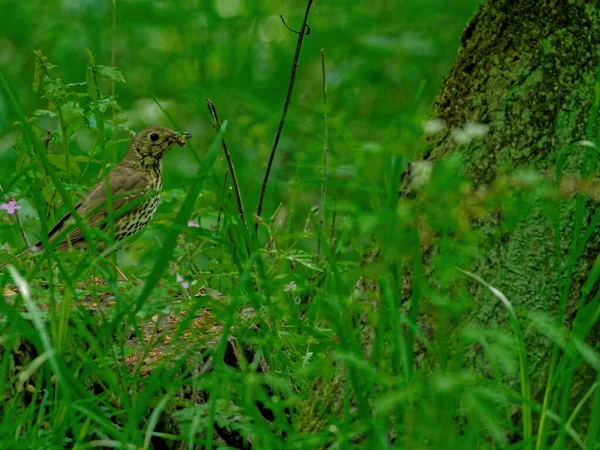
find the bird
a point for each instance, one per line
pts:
(139, 174)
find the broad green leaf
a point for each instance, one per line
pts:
(110, 73)
(44, 112)
(59, 161)
(72, 111)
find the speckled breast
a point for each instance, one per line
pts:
(136, 219)
(139, 217)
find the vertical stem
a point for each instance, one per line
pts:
(286, 106)
(96, 97)
(221, 203)
(231, 168)
(64, 130)
(113, 63)
(46, 143)
(325, 152)
(63, 126)
(332, 240)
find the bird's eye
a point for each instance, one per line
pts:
(154, 137)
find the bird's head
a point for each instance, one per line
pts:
(150, 145)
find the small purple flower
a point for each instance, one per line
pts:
(10, 207)
(184, 284)
(193, 224)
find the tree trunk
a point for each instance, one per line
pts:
(528, 70)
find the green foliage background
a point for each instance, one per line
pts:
(335, 335)
(345, 367)
(385, 62)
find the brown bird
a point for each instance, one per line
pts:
(138, 174)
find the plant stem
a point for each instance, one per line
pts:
(286, 105)
(234, 180)
(325, 152)
(112, 63)
(63, 125)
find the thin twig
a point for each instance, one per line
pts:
(284, 20)
(325, 152)
(234, 181)
(18, 218)
(286, 105)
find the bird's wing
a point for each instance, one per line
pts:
(125, 183)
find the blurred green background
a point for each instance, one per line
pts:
(385, 64)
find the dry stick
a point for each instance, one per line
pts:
(234, 181)
(286, 105)
(325, 152)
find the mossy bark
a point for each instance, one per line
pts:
(527, 69)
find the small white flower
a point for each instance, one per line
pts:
(193, 224)
(433, 126)
(470, 131)
(420, 173)
(291, 286)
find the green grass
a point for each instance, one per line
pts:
(364, 343)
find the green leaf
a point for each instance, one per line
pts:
(91, 86)
(41, 66)
(104, 104)
(81, 83)
(91, 57)
(91, 122)
(84, 159)
(37, 77)
(72, 111)
(44, 112)
(54, 90)
(59, 161)
(303, 258)
(110, 73)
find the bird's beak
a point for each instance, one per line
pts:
(181, 140)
